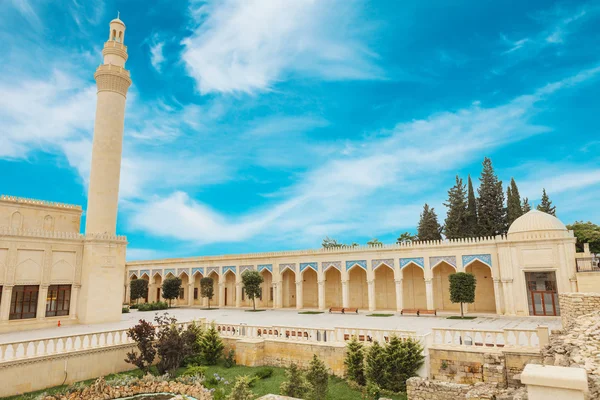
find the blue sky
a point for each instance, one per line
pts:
(266, 125)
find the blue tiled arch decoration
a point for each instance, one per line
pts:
(196, 270)
(170, 270)
(360, 263)
(283, 267)
(133, 273)
(416, 260)
(157, 271)
(433, 261)
(484, 258)
(268, 267)
(312, 265)
(209, 270)
(229, 268)
(182, 270)
(145, 271)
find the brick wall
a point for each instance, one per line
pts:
(573, 305)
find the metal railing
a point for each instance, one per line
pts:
(588, 264)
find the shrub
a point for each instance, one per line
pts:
(230, 359)
(211, 346)
(372, 391)
(124, 310)
(155, 306)
(138, 289)
(318, 378)
(191, 337)
(170, 289)
(195, 371)
(376, 364)
(143, 335)
(354, 362)
(295, 384)
(133, 306)
(241, 389)
(403, 359)
(264, 373)
(170, 344)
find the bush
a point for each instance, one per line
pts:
(171, 344)
(376, 364)
(143, 335)
(195, 371)
(125, 310)
(403, 360)
(155, 306)
(318, 378)
(230, 359)
(295, 384)
(138, 289)
(241, 389)
(354, 362)
(170, 289)
(211, 346)
(191, 338)
(133, 307)
(264, 373)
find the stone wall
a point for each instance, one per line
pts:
(421, 389)
(574, 305)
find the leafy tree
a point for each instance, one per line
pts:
(143, 336)
(138, 289)
(241, 389)
(526, 206)
(170, 289)
(355, 362)
(462, 288)
(429, 227)
(472, 228)
(211, 346)
(546, 204)
(490, 206)
(586, 232)
(406, 237)
(456, 224)
(513, 203)
(252, 281)
(403, 358)
(295, 384)
(318, 379)
(374, 243)
(376, 364)
(171, 345)
(207, 289)
(329, 243)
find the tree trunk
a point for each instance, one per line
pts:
(462, 315)
(254, 304)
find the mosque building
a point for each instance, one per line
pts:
(51, 272)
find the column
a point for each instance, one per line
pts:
(321, 295)
(191, 294)
(41, 305)
(127, 293)
(5, 302)
(371, 287)
(508, 298)
(278, 295)
(152, 293)
(497, 296)
(238, 294)
(429, 293)
(74, 299)
(345, 293)
(299, 297)
(221, 294)
(399, 299)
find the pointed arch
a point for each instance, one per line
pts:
(471, 258)
(485, 296)
(214, 275)
(358, 287)
(229, 278)
(441, 286)
(266, 297)
(145, 276)
(378, 263)
(132, 276)
(333, 287)
(310, 288)
(16, 220)
(310, 265)
(385, 287)
(413, 286)
(288, 287)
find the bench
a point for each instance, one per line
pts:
(409, 311)
(427, 312)
(353, 310)
(336, 309)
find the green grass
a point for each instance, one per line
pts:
(208, 309)
(380, 315)
(311, 312)
(338, 388)
(255, 310)
(459, 317)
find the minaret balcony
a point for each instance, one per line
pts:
(115, 48)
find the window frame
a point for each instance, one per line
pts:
(24, 295)
(58, 300)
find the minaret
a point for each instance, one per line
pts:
(113, 81)
(100, 289)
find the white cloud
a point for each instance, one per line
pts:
(157, 57)
(249, 45)
(353, 193)
(27, 11)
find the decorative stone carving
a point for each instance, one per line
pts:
(268, 267)
(283, 267)
(433, 261)
(196, 270)
(231, 268)
(416, 260)
(244, 268)
(360, 263)
(335, 264)
(182, 270)
(484, 258)
(378, 262)
(210, 270)
(312, 265)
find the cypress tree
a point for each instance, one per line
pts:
(472, 228)
(513, 203)
(376, 364)
(526, 205)
(355, 362)
(318, 378)
(429, 227)
(490, 206)
(455, 225)
(546, 204)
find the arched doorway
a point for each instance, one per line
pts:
(266, 298)
(147, 279)
(333, 288)
(413, 287)
(157, 283)
(385, 288)
(229, 289)
(310, 289)
(185, 281)
(358, 288)
(485, 299)
(441, 287)
(196, 289)
(215, 300)
(288, 288)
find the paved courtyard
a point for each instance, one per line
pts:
(421, 325)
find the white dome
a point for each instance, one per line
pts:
(536, 221)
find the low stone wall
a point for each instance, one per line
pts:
(422, 389)
(588, 282)
(574, 305)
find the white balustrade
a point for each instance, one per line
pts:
(486, 338)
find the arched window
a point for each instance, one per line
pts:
(48, 223)
(16, 220)
(120, 40)
(114, 35)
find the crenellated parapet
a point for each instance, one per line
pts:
(112, 78)
(36, 202)
(40, 233)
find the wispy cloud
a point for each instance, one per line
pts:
(157, 57)
(248, 46)
(28, 12)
